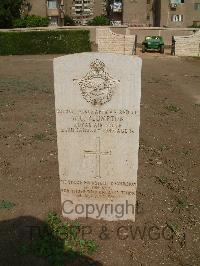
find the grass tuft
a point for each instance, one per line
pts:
(59, 241)
(4, 204)
(172, 108)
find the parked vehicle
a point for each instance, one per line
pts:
(153, 43)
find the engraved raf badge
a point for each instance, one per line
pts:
(97, 85)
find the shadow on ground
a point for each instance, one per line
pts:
(22, 232)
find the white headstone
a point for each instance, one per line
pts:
(97, 101)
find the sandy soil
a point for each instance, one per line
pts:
(169, 166)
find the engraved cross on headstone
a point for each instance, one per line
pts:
(98, 154)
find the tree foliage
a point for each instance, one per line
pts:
(68, 21)
(9, 10)
(99, 21)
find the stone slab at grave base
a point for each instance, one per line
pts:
(97, 101)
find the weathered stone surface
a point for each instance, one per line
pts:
(188, 45)
(97, 100)
(110, 42)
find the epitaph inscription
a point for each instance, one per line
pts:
(97, 100)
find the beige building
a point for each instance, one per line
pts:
(167, 13)
(54, 9)
(83, 10)
(138, 13)
(131, 12)
(177, 13)
(80, 10)
(128, 12)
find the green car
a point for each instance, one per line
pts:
(153, 43)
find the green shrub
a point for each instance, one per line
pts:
(31, 21)
(68, 21)
(36, 21)
(99, 21)
(60, 243)
(19, 23)
(44, 42)
(195, 25)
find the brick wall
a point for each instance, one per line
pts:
(188, 45)
(109, 42)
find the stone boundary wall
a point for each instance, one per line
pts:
(188, 45)
(166, 33)
(110, 42)
(141, 32)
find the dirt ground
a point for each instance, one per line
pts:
(167, 227)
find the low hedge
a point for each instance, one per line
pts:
(44, 42)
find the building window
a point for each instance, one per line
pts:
(177, 18)
(148, 2)
(52, 4)
(177, 1)
(197, 6)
